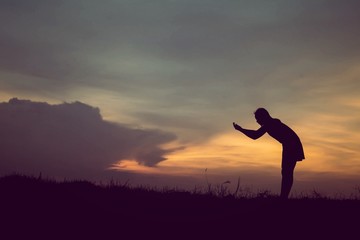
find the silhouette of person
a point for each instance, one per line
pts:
(292, 147)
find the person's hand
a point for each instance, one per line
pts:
(237, 127)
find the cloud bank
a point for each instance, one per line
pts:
(174, 59)
(71, 140)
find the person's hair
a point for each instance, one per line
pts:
(262, 113)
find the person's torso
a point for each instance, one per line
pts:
(281, 132)
(292, 147)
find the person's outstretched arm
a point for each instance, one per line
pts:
(253, 134)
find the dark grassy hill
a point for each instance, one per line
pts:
(42, 209)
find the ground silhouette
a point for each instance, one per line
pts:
(44, 209)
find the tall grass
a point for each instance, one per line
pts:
(219, 191)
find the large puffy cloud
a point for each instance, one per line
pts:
(71, 140)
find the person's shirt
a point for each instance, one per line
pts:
(287, 137)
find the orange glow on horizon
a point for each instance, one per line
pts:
(233, 151)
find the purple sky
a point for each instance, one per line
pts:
(150, 89)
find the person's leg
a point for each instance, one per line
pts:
(287, 180)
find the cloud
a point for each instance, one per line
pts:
(71, 140)
(215, 39)
(188, 67)
(182, 51)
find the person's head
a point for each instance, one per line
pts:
(262, 116)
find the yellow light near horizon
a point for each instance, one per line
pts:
(231, 151)
(331, 145)
(222, 152)
(132, 166)
(228, 150)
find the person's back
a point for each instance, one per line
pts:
(280, 131)
(292, 147)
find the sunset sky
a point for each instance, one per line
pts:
(147, 91)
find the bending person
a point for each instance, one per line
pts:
(292, 147)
